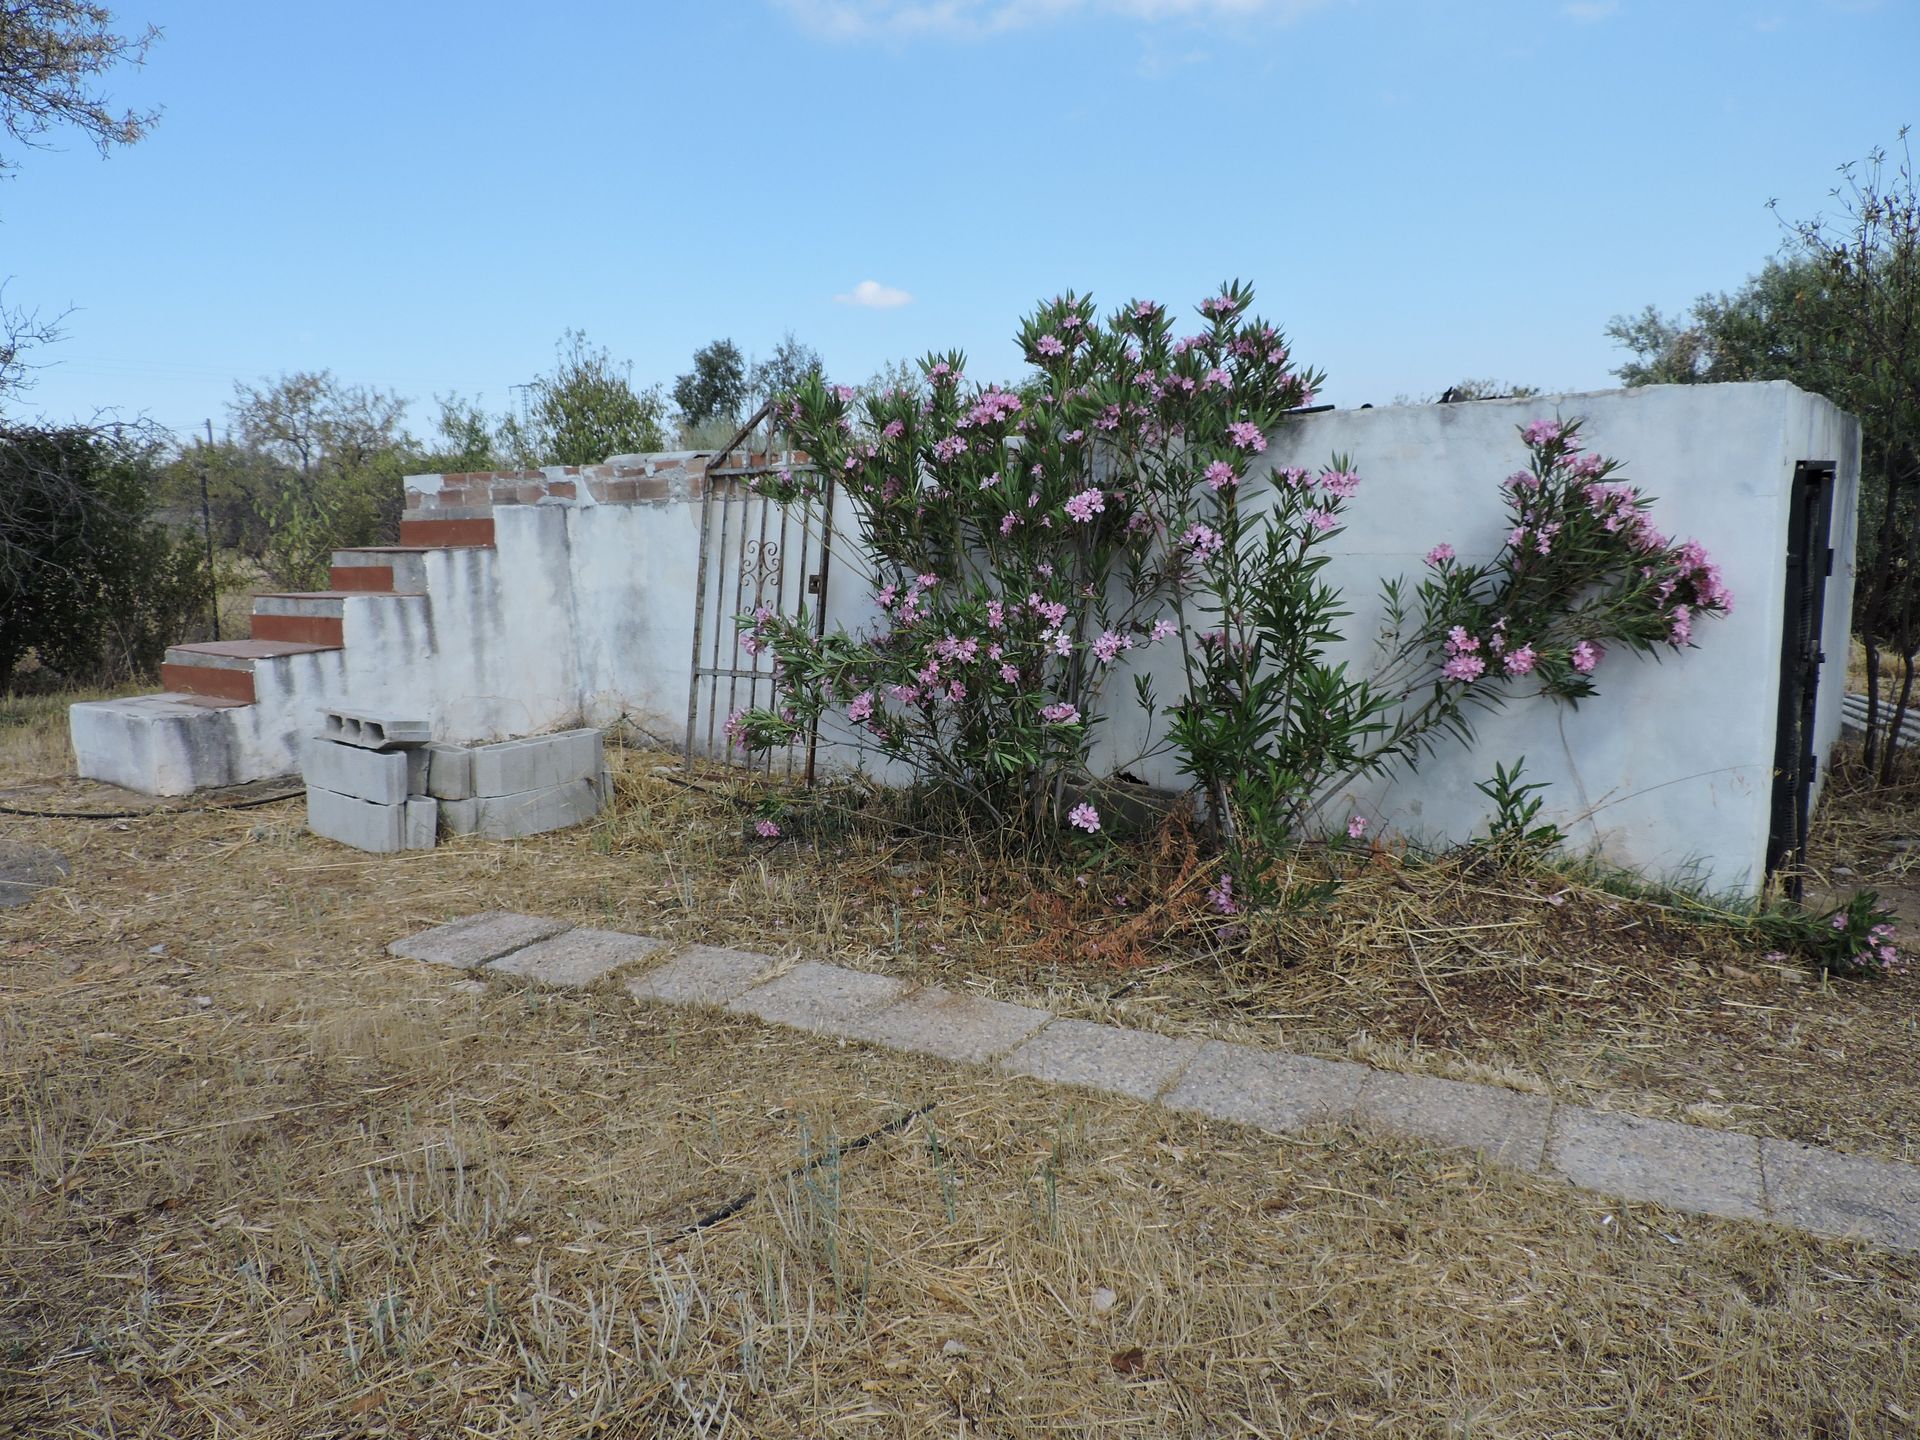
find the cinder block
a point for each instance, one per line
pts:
(539, 762)
(376, 775)
(373, 732)
(362, 824)
(422, 823)
(416, 769)
(449, 772)
(505, 817)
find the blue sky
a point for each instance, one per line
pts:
(423, 196)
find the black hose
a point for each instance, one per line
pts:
(249, 803)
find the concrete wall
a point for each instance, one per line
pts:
(584, 612)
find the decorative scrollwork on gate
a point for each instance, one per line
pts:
(760, 561)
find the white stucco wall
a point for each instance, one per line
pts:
(1669, 769)
(584, 612)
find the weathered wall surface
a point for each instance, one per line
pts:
(585, 612)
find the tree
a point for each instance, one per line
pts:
(88, 581)
(52, 56)
(1838, 314)
(584, 412)
(466, 438)
(716, 388)
(782, 372)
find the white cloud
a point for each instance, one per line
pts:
(875, 296)
(1588, 12)
(865, 19)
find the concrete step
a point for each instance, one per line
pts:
(312, 617)
(448, 534)
(391, 569)
(225, 668)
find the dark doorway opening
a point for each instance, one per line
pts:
(1809, 563)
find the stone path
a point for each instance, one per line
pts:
(1686, 1167)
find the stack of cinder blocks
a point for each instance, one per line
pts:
(519, 787)
(367, 783)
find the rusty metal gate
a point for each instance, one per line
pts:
(754, 551)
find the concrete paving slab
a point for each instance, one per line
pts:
(1504, 1125)
(1103, 1057)
(576, 957)
(1273, 1091)
(1686, 1167)
(1850, 1196)
(953, 1024)
(702, 975)
(825, 999)
(476, 939)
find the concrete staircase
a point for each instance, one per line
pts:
(240, 710)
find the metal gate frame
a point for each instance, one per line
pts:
(763, 560)
(1809, 563)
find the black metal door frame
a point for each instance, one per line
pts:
(1809, 564)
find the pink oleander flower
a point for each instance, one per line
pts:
(996, 615)
(1203, 540)
(1145, 309)
(1682, 632)
(992, 407)
(1220, 896)
(1087, 504)
(1340, 482)
(1542, 432)
(956, 690)
(1219, 475)
(925, 582)
(1585, 656)
(1007, 523)
(1459, 642)
(766, 830)
(1010, 674)
(1356, 827)
(1162, 629)
(951, 446)
(861, 706)
(1050, 345)
(991, 481)
(1586, 466)
(1110, 644)
(1520, 662)
(1464, 667)
(1321, 520)
(893, 431)
(1440, 554)
(1084, 817)
(735, 730)
(752, 643)
(1247, 436)
(1060, 713)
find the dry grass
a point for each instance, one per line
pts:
(270, 1182)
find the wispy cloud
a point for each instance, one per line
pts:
(875, 296)
(898, 19)
(1590, 12)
